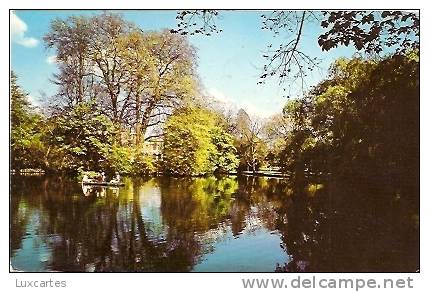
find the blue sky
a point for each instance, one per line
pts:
(229, 62)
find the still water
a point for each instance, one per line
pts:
(229, 224)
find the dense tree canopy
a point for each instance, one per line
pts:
(116, 87)
(136, 77)
(362, 122)
(84, 137)
(194, 144)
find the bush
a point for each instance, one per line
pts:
(82, 138)
(120, 159)
(127, 160)
(143, 164)
(195, 145)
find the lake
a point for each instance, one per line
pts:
(228, 224)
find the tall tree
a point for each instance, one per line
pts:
(250, 144)
(26, 139)
(88, 60)
(195, 145)
(160, 73)
(70, 38)
(175, 79)
(136, 77)
(107, 29)
(140, 67)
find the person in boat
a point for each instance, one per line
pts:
(86, 190)
(102, 177)
(116, 178)
(85, 178)
(101, 192)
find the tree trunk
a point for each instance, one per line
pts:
(80, 97)
(46, 160)
(138, 120)
(146, 117)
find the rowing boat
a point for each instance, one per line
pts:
(108, 184)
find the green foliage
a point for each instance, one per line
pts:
(27, 147)
(252, 154)
(129, 160)
(143, 164)
(361, 122)
(223, 157)
(84, 137)
(371, 31)
(119, 159)
(252, 150)
(194, 145)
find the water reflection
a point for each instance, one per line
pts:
(207, 224)
(148, 225)
(350, 227)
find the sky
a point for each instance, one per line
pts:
(229, 62)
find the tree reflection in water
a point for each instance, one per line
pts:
(348, 226)
(169, 224)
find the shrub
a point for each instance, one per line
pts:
(143, 164)
(120, 159)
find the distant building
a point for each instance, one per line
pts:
(153, 147)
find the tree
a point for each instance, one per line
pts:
(109, 68)
(299, 140)
(140, 68)
(223, 157)
(196, 21)
(194, 145)
(250, 146)
(71, 39)
(371, 31)
(84, 137)
(352, 124)
(136, 77)
(277, 130)
(88, 56)
(26, 139)
(160, 74)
